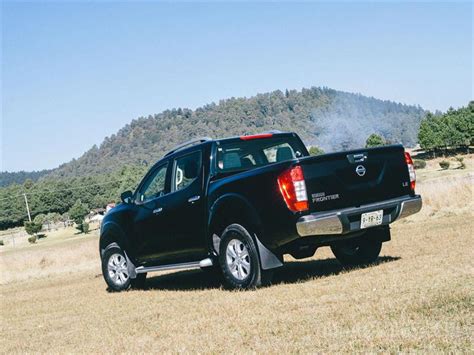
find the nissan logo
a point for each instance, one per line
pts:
(360, 170)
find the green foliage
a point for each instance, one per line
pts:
(444, 164)
(19, 177)
(32, 239)
(85, 227)
(40, 218)
(313, 150)
(454, 129)
(374, 140)
(77, 213)
(32, 227)
(419, 164)
(58, 195)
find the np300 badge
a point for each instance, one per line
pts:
(360, 170)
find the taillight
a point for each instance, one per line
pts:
(411, 171)
(293, 189)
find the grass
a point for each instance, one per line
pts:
(419, 297)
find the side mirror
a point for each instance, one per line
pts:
(126, 197)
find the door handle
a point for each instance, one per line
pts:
(194, 199)
(157, 210)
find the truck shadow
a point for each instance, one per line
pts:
(291, 272)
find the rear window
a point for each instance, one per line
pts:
(244, 155)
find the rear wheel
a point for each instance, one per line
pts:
(239, 261)
(357, 251)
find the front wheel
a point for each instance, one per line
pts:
(239, 261)
(115, 270)
(357, 252)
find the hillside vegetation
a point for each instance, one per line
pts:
(19, 177)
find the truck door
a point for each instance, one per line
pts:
(153, 234)
(185, 208)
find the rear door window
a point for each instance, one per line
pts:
(186, 170)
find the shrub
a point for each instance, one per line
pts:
(32, 239)
(419, 164)
(374, 140)
(444, 164)
(313, 150)
(1, 242)
(32, 227)
(461, 163)
(85, 227)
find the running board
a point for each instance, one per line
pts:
(193, 265)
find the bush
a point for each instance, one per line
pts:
(461, 163)
(1, 242)
(32, 239)
(419, 164)
(33, 227)
(313, 150)
(374, 140)
(444, 164)
(85, 227)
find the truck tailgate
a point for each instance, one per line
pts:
(354, 178)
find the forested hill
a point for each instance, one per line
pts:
(328, 118)
(19, 177)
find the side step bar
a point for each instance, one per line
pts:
(192, 265)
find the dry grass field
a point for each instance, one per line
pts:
(419, 297)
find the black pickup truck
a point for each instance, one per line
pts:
(237, 205)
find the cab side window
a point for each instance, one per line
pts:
(155, 185)
(186, 170)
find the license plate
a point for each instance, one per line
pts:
(371, 219)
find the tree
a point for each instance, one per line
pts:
(453, 129)
(77, 213)
(374, 140)
(314, 150)
(32, 228)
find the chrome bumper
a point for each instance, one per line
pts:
(348, 220)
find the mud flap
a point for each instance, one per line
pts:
(268, 260)
(131, 268)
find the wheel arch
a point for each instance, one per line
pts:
(112, 233)
(234, 208)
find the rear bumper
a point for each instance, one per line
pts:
(347, 220)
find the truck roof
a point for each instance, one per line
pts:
(203, 140)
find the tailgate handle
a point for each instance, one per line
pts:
(357, 158)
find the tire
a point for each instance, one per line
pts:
(239, 260)
(114, 269)
(357, 252)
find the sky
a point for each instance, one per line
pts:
(73, 73)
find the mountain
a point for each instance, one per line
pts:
(325, 117)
